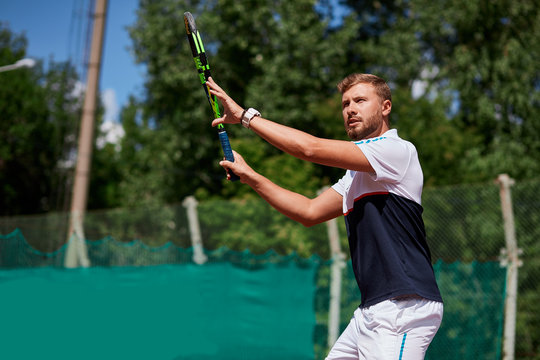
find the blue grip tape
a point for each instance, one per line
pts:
(226, 146)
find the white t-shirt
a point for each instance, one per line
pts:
(397, 171)
(383, 215)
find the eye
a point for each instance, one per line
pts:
(344, 104)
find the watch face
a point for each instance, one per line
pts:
(252, 113)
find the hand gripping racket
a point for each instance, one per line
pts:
(201, 62)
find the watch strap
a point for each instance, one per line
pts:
(248, 115)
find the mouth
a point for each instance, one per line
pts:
(353, 121)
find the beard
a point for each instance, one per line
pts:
(367, 127)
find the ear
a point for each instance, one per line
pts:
(386, 107)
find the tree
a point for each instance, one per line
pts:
(22, 120)
(476, 58)
(63, 96)
(487, 54)
(39, 112)
(387, 44)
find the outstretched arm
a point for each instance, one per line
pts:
(335, 153)
(307, 211)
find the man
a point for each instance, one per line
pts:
(380, 196)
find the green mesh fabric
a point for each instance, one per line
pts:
(141, 302)
(473, 311)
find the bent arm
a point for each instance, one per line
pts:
(297, 207)
(300, 208)
(336, 153)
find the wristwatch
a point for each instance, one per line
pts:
(248, 115)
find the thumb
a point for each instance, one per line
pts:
(225, 163)
(217, 121)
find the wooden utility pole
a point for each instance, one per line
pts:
(76, 252)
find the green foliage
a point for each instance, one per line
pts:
(457, 216)
(172, 149)
(39, 116)
(477, 117)
(527, 216)
(487, 53)
(440, 143)
(106, 176)
(478, 60)
(266, 229)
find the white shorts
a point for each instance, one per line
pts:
(396, 329)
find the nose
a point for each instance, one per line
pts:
(351, 110)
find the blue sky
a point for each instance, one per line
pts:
(54, 28)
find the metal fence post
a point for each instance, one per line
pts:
(190, 203)
(510, 260)
(76, 252)
(338, 263)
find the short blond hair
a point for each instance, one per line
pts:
(381, 87)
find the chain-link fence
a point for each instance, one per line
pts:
(465, 232)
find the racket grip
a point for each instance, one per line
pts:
(226, 146)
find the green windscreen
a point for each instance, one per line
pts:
(215, 311)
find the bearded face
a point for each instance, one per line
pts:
(363, 127)
(362, 112)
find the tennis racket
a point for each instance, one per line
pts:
(203, 68)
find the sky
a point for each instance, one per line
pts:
(56, 29)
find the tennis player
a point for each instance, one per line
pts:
(380, 197)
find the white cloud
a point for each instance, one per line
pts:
(111, 133)
(108, 97)
(420, 86)
(111, 130)
(78, 90)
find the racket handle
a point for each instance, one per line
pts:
(226, 146)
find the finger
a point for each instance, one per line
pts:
(218, 121)
(215, 92)
(214, 86)
(220, 94)
(222, 97)
(237, 155)
(225, 163)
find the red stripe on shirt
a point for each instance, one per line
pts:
(364, 195)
